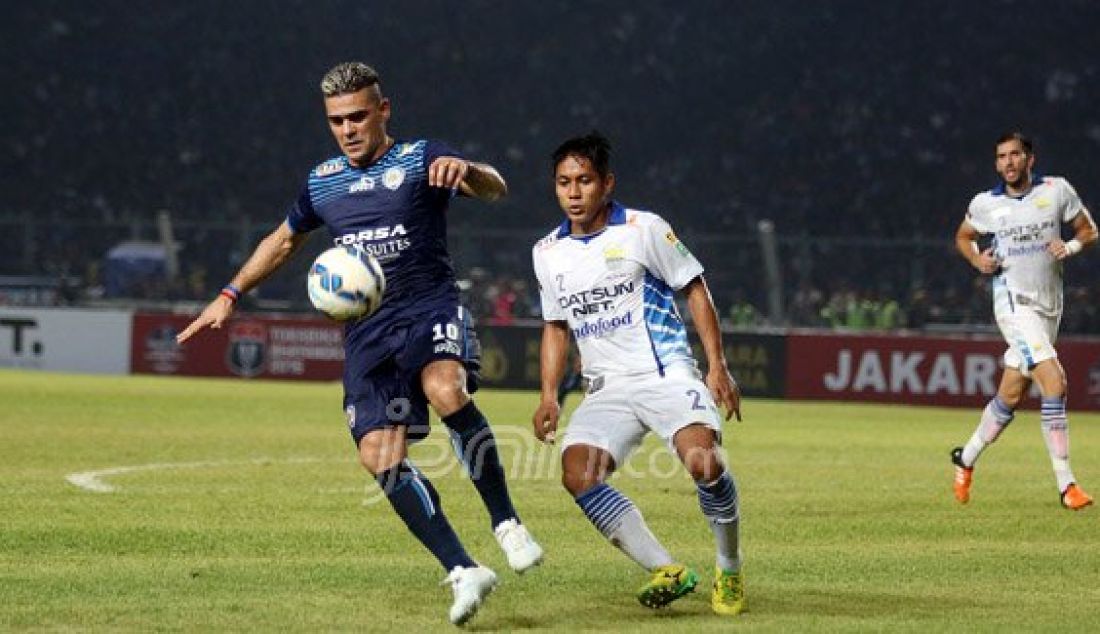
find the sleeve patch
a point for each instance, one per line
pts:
(680, 247)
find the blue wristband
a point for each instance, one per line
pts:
(231, 292)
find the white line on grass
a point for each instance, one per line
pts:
(94, 480)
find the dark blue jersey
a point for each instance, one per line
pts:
(388, 209)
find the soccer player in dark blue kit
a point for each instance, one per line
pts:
(389, 197)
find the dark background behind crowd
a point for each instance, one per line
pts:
(859, 129)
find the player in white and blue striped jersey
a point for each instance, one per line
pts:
(1025, 214)
(607, 278)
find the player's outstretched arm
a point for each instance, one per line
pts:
(1084, 236)
(722, 385)
(966, 244)
(553, 355)
(477, 180)
(484, 182)
(274, 250)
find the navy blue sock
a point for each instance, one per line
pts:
(477, 448)
(417, 503)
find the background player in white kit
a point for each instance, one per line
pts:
(1025, 214)
(607, 274)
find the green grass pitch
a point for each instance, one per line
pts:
(235, 505)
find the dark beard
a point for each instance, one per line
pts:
(1020, 183)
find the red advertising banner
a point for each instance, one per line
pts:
(946, 371)
(249, 346)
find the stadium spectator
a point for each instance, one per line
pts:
(833, 157)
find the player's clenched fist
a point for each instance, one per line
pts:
(447, 171)
(545, 421)
(986, 262)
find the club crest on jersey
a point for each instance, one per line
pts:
(613, 256)
(1042, 203)
(364, 184)
(393, 177)
(328, 168)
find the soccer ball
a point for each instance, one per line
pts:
(346, 283)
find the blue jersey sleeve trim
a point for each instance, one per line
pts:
(302, 217)
(434, 149)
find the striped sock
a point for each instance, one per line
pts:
(720, 506)
(1056, 434)
(417, 503)
(995, 417)
(614, 515)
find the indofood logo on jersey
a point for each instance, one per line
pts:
(597, 300)
(371, 241)
(602, 326)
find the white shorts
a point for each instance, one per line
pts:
(1030, 336)
(618, 411)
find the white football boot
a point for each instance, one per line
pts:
(471, 586)
(522, 551)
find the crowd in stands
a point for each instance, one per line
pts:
(860, 133)
(504, 300)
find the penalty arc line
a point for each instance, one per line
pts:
(95, 482)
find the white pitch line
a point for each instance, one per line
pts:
(94, 480)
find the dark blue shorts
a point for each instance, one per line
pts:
(390, 393)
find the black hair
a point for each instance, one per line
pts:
(593, 146)
(1015, 135)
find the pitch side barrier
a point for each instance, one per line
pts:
(90, 341)
(510, 358)
(900, 367)
(264, 345)
(913, 368)
(943, 370)
(258, 345)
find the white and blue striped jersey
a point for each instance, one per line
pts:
(1022, 227)
(615, 290)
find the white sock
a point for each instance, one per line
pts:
(727, 537)
(995, 417)
(1056, 434)
(634, 538)
(614, 515)
(719, 503)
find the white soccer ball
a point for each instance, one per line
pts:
(346, 283)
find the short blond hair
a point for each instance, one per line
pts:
(348, 77)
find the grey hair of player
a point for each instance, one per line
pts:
(348, 77)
